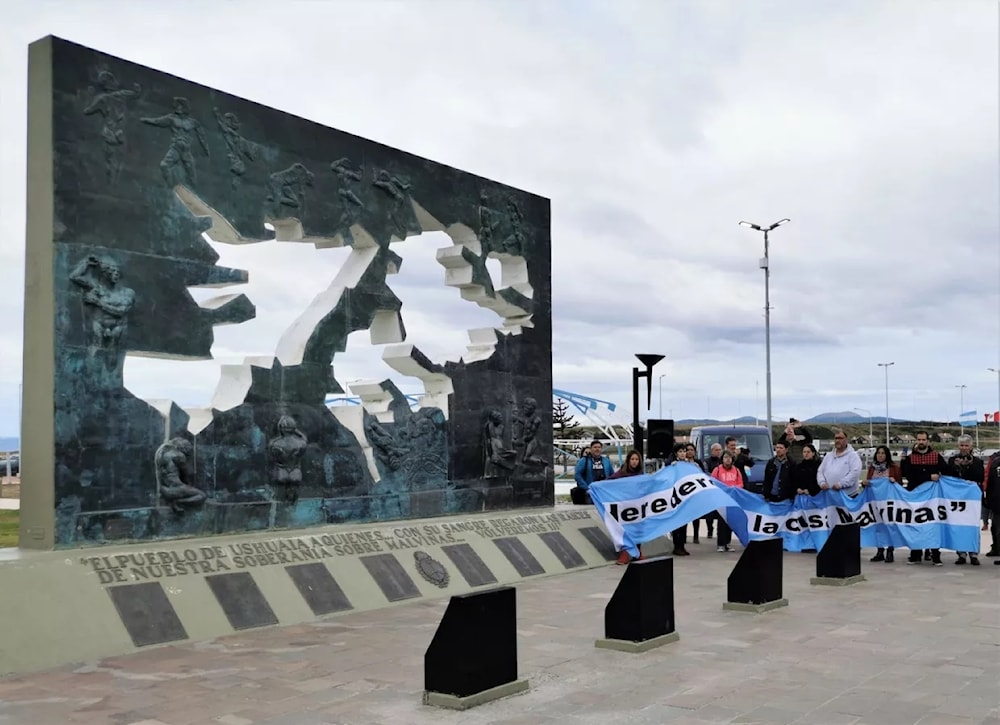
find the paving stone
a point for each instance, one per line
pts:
(864, 655)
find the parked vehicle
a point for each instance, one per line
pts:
(756, 439)
(15, 466)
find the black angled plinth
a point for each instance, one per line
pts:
(756, 581)
(640, 614)
(838, 563)
(473, 656)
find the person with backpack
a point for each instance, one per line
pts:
(593, 466)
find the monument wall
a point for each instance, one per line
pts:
(128, 167)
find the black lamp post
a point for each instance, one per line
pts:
(637, 432)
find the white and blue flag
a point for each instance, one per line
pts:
(944, 514)
(641, 508)
(968, 419)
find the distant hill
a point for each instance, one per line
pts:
(843, 417)
(10, 444)
(850, 417)
(745, 420)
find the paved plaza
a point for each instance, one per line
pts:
(913, 644)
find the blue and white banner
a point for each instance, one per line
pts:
(641, 508)
(968, 419)
(937, 515)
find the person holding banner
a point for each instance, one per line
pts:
(804, 475)
(840, 469)
(778, 475)
(632, 467)
(883, 467)
(691, 455)
(993, 500)
(726, 473)
(922, 465)
(970, 468)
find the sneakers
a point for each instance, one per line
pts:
(623, 558)
(879, 556)
(927, 555)
(974, 560)
(723, 549)
(960, 560)
(914, 559)
(936, 560)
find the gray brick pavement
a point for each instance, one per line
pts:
(913, 644)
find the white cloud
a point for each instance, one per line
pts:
(654, 128)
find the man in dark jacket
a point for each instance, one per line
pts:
(970, 468)
(922, 465)
(794, 438)
(993, 501)
(778, 475)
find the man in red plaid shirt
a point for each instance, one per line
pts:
(922, 465)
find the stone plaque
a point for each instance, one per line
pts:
(147, 614)
(390, 576)
(472, 568)
(601, 542)
(564, 551)
(518, 555)
(318, 587)
(241, 600)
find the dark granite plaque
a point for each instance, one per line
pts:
(318, 587)
(147, 614)
(642, 607)
(601, 542)
(473, 568)
(518, 555)
(241, 600)
(390, 576)
(475, 646)
(564, 551)
(757, 576)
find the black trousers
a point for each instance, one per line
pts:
(680, 537)
(725, 533)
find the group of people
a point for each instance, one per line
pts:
(796, 469)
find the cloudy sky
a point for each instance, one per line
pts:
(654, 127)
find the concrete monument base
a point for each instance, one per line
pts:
(453, 702)
(624, 645)
(128, 597)
(754, 608)
(837, 581)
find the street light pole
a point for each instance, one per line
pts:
(871, 432)
(765, 265)
(886, 366)
(961, 401)
(997, 371)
